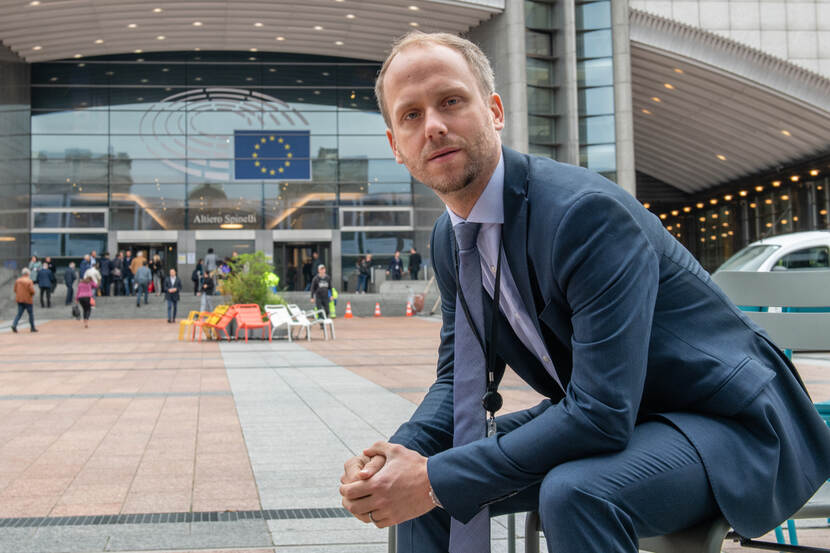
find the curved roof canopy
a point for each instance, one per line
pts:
(708, 110)
(45, 30)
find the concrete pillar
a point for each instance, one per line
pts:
(567, 127)
(623, 111)
(502, 38)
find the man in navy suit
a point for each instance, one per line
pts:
(667, 406)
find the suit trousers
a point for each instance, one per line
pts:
(601, 504)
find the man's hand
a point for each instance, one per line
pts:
(398, 492)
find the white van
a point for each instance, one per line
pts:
(785, 252)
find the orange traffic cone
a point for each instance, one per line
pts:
(408, 309)
(377, 310)
(348, 314)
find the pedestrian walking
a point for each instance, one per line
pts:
(33, 266)
(172, 286)
(24, 295)
(320, 288)
(143, 278)
(86, 291)
(69, 278)
(414, 263)
(207, 289)
(158, 273)
(45, 281)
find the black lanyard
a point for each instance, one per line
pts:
(492, 400)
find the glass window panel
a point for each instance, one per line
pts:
(147, 146)
(166, 171)
(538, 43)
(85, 121)
(69, 97)
(358, 75)
(598, 158)
(47, 244)
(230, 75)
(64, 73)
(385, 170)
(78, 245)
(71, 173)
(86, 219)
(539, 150)
(360, 122)
(595, 15)
(302, 98)
(206, 121)
(538, 15)
(148, 206)
(278, 217)
(599, 72)
(377, 218)
(540, 100)
(364, 147)
(541, 130)
(152, 121)
(539, 72)
(148, 98)
(594, 44)
(299, 74)
(596, 130)
(808, 258)
(294, 194)
(48, 220)
(147, 73)
(65, 195)
(75, 146)
(596, 101)
(381, 244)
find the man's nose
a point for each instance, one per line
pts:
(435, 125)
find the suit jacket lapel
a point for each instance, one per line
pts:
(515, 227)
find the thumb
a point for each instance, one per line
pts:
(372, 467)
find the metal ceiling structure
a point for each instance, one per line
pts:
(708, 110)
(45, 30)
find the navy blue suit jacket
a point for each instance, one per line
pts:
(638, 331)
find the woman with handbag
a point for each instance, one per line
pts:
(86, 292)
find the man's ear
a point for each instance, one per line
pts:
(394, 145)
(497, 111)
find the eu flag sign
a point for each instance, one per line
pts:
(272, 155)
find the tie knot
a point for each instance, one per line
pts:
(467, 233)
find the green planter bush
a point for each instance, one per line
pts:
(247, 282)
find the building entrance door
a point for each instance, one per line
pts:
(166, 251)
(292, 262)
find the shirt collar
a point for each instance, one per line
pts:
(489, 207)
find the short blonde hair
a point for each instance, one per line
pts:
(478, 62)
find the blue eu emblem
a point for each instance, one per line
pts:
(272, 155)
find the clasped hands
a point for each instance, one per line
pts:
(386, 485)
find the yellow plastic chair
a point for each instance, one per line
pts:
(183, 324)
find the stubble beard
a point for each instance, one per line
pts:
(445, 184)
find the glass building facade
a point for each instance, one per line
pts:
(199, 141)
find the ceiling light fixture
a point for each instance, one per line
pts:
(338, 43)
(413, 24)
(656, 99)
(721, 157)
(414, 8)
(699, 205)
(37, 47)
(776, 183)
(34, 3)
(197, 23)
(78, 56)
(759, 188)
(99, 41)
(669, 86)
(647, 112)
(132, 26)
(279, 38)
(160, 37)
(157, 10)
(678, 70)
(258, 24)
(742, 193)
(349, 16)
(813, 172)
(785, 132)
(139, 51)
(318, 27)
(794, 178)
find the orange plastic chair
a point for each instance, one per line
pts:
(215, 323)
(249, 317)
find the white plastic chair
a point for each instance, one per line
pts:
(280, 316)
(300, 315)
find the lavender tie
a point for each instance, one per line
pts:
(469, 384)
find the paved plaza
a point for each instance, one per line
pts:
(122, 438)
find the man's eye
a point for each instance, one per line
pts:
(411, 115)
(452, 101)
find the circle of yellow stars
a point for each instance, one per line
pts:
(262, 167)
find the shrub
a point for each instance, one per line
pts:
(247, 281)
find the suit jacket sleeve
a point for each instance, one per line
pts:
(608, 273)
(430, 428)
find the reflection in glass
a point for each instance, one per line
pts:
(377, 218)
(73, 219)
(381, 244)
(540, 100)
(594, 15)
(541, 129)
(598, 72)
(594, 44)
(538, 15)
(69, 194)
(596, 130)
(69, 147)
(47, 244)
(78, 245)
(360, 122)
(299, 218)
(538, 44)
(68, 97)
(539, 72)
(84, 121)
(598, 158)
(148, 206)
(596, 101)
